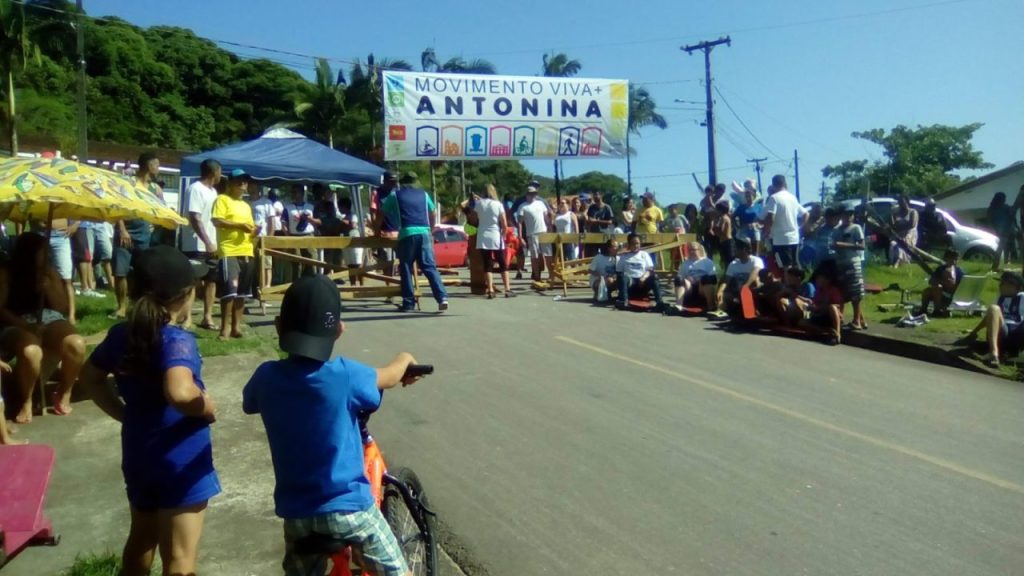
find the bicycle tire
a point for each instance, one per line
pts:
(418, 546)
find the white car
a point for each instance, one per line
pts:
(970, 242)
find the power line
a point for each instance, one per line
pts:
(751, 29)
(765, 28)
(744, 124)
(701, 172)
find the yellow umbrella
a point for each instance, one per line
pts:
(43, 189)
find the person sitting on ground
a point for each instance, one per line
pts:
(36, 331)
(824, 314)
(744, 270)
(942, 285)
(697, 279)
(796, 296)
(165, 415)
(1003, 319)
(602, 272)
(310, 405)
(636, 277)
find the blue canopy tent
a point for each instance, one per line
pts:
(281, 154)
(286, 155)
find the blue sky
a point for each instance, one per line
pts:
(801, 74)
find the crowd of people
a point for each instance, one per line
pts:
(802, 267)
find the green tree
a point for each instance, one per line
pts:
(365, 91)
(612, 187)
(560, 66)
(848, 177)
(429, 62)
(320, 107)
(17, 49)
(643, 112)
(918, 161)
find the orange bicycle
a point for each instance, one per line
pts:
(401, 498)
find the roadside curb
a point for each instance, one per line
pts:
(913, 350)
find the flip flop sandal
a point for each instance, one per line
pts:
(59, 408)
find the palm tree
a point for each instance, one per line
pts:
(459, 65)
(365, 88)
(643, 112)
(560, 65)
(320, 108)
(429, 62)
(16, 49)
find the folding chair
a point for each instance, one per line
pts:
(967, 297)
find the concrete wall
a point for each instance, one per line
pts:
(969, 206)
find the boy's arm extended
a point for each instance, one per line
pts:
(391, 375)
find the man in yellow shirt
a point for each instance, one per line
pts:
(232, 217)
(650, 218)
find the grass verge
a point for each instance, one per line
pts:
(108, 564)
(93, 318)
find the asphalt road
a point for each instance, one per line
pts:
(556, 438)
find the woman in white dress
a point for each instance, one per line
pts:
(490, 234)
(566, 222)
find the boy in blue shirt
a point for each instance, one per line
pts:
(310, 405)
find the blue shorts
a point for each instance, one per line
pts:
(60, 256)
(169, 492)
(100, 244)
(123, 257)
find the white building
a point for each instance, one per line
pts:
(970, 200)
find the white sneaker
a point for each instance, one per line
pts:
(93, 294)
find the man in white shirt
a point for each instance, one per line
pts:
(201, 195)
(782, 217)
(534, 217)
(603, 271)
(744, 270)
(263, 216)
(637, 279)
(299, 215)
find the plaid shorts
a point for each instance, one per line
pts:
(366, 530)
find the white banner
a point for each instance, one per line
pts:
(470, 117)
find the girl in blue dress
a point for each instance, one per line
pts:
(165, 415)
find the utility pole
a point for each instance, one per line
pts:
(707, 47)
(796, 167)
(823, 193)
(757, 168)
(83, 124)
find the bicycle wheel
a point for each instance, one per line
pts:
(419, 546)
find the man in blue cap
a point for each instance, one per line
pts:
(413, 210)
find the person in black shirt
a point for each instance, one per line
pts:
(600, 218)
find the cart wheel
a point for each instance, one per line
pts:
(52, 540)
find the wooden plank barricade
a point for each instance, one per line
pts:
(576, 273)
(286, 248)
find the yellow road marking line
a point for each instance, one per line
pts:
(868, 439)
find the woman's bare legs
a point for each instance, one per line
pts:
(180, 532)
(61, 340)
(28, 354)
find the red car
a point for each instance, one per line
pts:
(451, 246)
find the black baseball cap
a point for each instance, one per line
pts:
(310, 313)
(164, 272)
